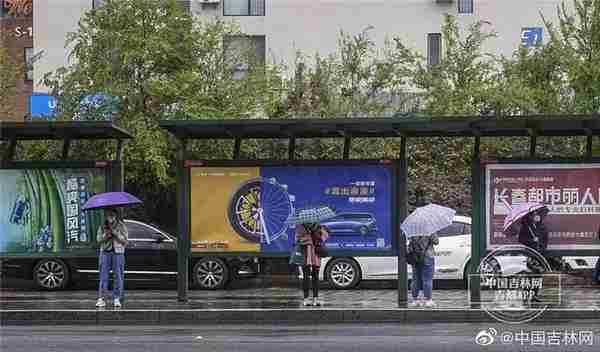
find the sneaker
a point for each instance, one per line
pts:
(307, 302)
(117, 303)
(100, 303)
(430, 304)
(415, 303)
(316, 302)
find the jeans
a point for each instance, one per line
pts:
(115, 262)
(423, 278)
(309, 271)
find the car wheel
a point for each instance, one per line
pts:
(51, 274)
(210, 273)
(363, 230)
(343, 273)
(491, 267)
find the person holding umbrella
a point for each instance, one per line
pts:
(310, 238)
(112, 238)
(420, 228)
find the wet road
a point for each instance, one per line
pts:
(251, 338)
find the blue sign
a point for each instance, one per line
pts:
(42, 106)
(359, 194)
(531, 36)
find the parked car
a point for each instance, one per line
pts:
(151, 255)
(453, 256)
(351, 224)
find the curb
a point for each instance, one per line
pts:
(268, 316)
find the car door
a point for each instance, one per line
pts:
(452, 251)
(149, 252)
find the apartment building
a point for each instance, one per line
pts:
(279, 28)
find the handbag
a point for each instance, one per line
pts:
(297, 255)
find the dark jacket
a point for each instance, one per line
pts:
(527, 232)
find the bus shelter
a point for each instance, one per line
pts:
(213, 188)
(42, 199)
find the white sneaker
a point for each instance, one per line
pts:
(117, 303)
(307, 302)
(415, 303)
(100, 303)
(430, 304)
(316, 302)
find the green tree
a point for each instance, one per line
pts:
(156, 61)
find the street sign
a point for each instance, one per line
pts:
(42, 106)
(531, 36)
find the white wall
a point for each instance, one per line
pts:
(314, 26)
(52, 20)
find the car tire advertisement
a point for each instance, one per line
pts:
(41, 210)
(245, 209)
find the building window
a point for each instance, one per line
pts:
(98, 3)
(29, 64)
(243, 7)
(434, 48)
(241, 51)
(465, 6)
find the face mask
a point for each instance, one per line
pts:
(537, 218)
(111, 219)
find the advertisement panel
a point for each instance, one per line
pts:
(244, 209)
(41, 210)
(571, 192)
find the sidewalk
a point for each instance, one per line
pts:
(265, 305)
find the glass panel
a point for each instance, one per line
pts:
(456, 229)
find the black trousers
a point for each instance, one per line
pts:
(308, 272)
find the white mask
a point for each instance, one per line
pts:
(537, 218)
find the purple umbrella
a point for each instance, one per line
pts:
(110, 200)
(519, 212)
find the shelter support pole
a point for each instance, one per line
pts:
(476, 228)
(588, 146)
(402, 206)
(66, 148)
(347, 145)
(532, 145)
(183, 217)
(117, 175)
(292, 148)
(237, 147)
(9, 153)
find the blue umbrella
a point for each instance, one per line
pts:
(110, 200)
(427, 220)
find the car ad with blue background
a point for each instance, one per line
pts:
(244, 209)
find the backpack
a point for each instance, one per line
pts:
(416, 250)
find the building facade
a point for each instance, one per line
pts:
(279, 28)
(16, 36)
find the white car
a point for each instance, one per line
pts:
(452, 261)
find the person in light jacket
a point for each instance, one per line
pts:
(112, 237)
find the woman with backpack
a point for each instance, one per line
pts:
(421, 256)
